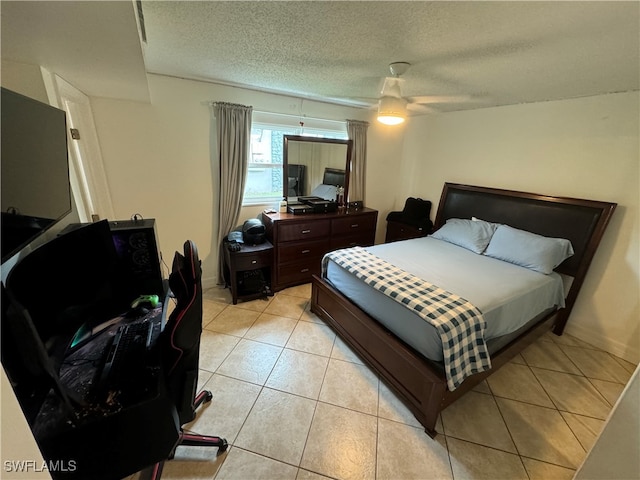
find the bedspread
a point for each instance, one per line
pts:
(460, 325)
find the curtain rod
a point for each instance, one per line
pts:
(301, 117)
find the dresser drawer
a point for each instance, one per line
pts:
(298, 272)
(349, 224)
(304, 231)
(364, 239)
(300, 251)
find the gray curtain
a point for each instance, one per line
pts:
(233, 140)
(357, 131)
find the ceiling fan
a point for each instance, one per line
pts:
(392, 106)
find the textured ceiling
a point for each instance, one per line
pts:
(497, 52)
(93, 45)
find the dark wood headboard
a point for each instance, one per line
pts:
(583, 222)
(334, 176)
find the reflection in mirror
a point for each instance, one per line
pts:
(315, 167)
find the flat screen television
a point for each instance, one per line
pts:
(35, 192)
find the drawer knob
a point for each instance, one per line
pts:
(306, 231)
(304, 270)
(305, 251)
(355, 225)
(254, 261)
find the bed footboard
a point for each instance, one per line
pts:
(420, 383)
(410, 375)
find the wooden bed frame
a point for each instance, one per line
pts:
(422, 383)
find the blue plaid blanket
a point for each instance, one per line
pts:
(459, 324)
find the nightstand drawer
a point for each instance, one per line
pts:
(401, 231)
(251, 261)
(304, 231)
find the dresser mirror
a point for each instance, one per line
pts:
(315, 167)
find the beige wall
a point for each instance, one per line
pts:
(157, 161)
(614, 455)
(584, 148)
(157, 157)
(24, 79)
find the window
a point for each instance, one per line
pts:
(264, 171)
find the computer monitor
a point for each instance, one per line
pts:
(32, 373)
(67, 282)
(63, 284)
(34, 167)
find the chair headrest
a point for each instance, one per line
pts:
(186, 270)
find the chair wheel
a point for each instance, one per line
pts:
(223, 448)
(208, 396)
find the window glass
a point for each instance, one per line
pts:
(264, 169)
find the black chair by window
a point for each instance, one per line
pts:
(181, 348)
(296, 180)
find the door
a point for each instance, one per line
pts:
(88, 178)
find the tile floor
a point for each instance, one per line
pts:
(295, 403)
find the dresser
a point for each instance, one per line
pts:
(300, 241)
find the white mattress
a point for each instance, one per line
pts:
(507, 295)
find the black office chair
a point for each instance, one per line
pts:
(296, 180)
(181, 347)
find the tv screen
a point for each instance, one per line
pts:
(35, 170)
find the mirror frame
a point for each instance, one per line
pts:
(302, 138)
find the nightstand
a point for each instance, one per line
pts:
(248, 271)
(412, 222)
(402, 231)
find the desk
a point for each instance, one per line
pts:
(108, 437)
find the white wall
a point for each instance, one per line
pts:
(157, 159)
(157, 156)
(24, 79)
(157, 162)
(586, 148)
(614, 455)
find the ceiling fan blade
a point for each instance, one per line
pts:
(420, 108)
(427, 99)
(364, 101)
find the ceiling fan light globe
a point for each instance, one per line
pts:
(390, 119)
(392, 110)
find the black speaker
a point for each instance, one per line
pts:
(136, 243)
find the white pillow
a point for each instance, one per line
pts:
(473, 235)
(328, 192)
(527, 249)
